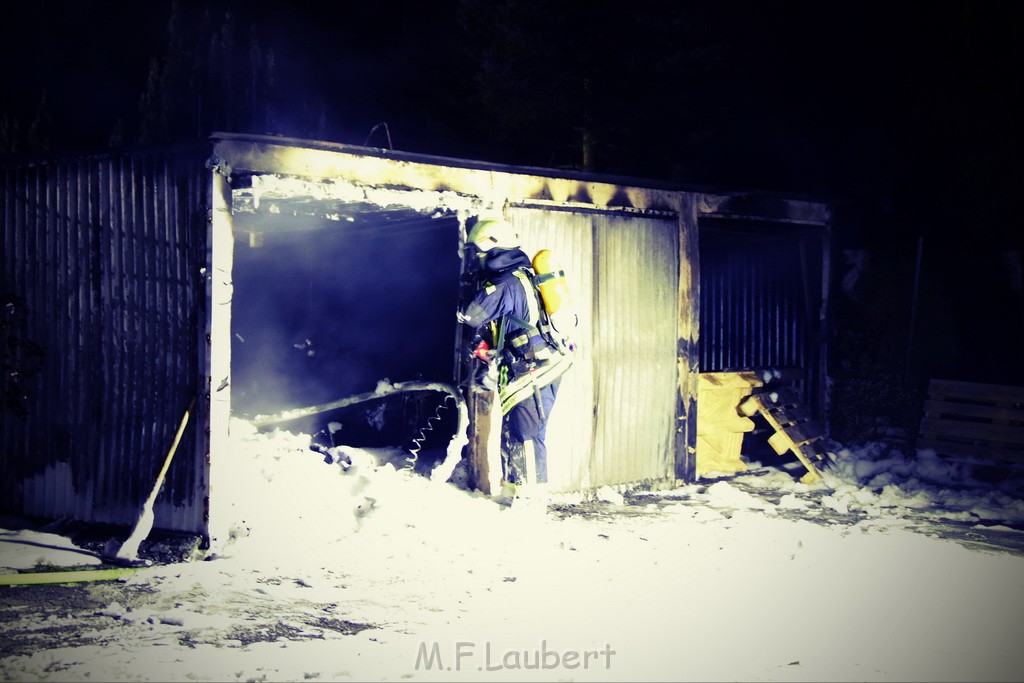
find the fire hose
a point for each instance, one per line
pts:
(459, 439)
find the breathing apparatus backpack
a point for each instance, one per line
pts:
(557, 316)
(551, 317)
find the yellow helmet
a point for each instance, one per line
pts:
(489, 232)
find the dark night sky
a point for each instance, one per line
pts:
(92, 58)
(907, 110)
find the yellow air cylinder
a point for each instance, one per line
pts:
(554, 290)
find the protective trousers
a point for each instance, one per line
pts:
(525, 426)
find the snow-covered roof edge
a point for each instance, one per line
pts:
(494, 182)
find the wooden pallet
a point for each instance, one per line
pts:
(973, 420)
(795, 431)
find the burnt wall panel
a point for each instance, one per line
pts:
(636, 338)
(570, 434)
(103, 259)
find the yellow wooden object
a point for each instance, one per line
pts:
(795, 431)
(780, 443)
(720, 427)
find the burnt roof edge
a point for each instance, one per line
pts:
(244, 152)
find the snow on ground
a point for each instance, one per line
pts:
(360, 569)
(25, 549)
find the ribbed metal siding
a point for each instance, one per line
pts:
(570, 429)
(636, 341)
(107, 253)
(613, 422)
(759, 297)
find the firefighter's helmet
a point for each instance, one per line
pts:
(490, 232)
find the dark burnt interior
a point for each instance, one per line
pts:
(332, 298)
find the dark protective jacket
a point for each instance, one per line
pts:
(509, 297)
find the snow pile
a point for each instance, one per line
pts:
(282, 501)
(722, 495)
(875, 477)
(26, 549)
(354, 569)
(880, 481)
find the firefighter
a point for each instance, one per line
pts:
(505, 314)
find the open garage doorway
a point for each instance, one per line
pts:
(333, 301)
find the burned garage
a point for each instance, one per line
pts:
(314, 286)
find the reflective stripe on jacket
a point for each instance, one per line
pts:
(523, 387)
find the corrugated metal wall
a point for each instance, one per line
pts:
(635, 365)
(107, 253)
(614, 420)
(760, 292)
(570, 434)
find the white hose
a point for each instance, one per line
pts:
(459, 439)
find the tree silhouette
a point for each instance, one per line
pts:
(215, 75)
(592, 85)
(33, 139)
